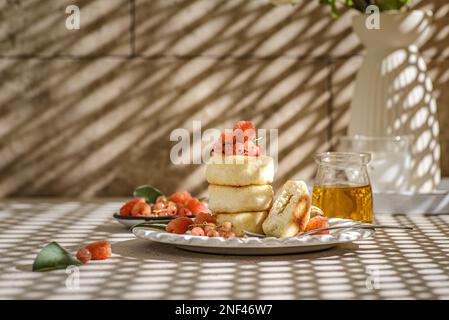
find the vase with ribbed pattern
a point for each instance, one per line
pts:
(393, 95)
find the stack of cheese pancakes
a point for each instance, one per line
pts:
(240, 189)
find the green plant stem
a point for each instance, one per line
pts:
(362, 5)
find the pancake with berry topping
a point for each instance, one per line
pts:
(239, 179)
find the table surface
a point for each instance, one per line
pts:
(392, 264)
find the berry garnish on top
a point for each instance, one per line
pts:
(241, 140)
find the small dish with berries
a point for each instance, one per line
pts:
(150, 204)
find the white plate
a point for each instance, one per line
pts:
(256, 246)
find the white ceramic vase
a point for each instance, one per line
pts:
(393, 94)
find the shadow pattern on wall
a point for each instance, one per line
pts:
(89, 112)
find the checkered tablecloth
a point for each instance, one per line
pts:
(393, 264)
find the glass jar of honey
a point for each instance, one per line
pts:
(342, 187)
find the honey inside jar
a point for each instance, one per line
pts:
(344, 201)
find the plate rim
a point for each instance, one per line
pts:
(136, 230)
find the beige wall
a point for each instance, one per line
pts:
(89, 112)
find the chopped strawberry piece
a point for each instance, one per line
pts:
(196, 206)
(181, 197)
(183, 211)
(317, 222)
(203, 217)
(126, 209)
(141, 209)
(230, 143)
(179, 225)
(100, 250)
(244, 125)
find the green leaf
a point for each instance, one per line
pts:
(53, 257)
(162, 225)
(148, 192)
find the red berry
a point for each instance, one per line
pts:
(213, 233)
(230, 235)
(100, 250)
(83, 255)
(179, 225)
(184, 212)
(222, 233)
(226, 226)
(161, 199)
(198, 231)
(126, 209)
(209, 227)
(203, 217)
(171, 210)
(158, 206)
